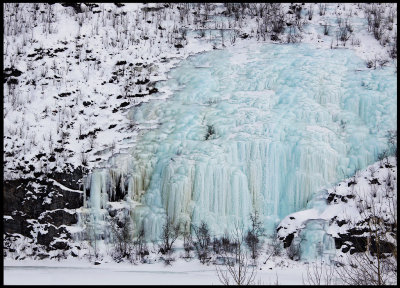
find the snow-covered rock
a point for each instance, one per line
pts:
(344, 212)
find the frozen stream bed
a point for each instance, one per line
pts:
(259, 126)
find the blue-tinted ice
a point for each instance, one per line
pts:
(281, 123)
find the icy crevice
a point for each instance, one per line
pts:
(288, 120)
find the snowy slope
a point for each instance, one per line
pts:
(72, 73)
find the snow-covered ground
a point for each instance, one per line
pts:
(47, 272)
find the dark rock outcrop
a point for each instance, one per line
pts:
(60, 245)
(354, 241)
(287, 241)
(32, 203)
(58, 217)
(17, 224)
(52, 233)
(11, 72)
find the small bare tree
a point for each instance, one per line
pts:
(203, 240)
(239, 272)
(320, 274)
(344, 31)
(140, 244)
(310, 11)
(326, 28)
(276, 245)
(170, 233)
(322, 9)
(122, 237)
(92, 240)
(256, 230)
(187, 245)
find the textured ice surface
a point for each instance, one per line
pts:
(287, 121)
(316, 243)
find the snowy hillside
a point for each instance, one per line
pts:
(72, 73)
(149, 132)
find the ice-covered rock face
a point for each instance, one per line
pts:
(258, 127)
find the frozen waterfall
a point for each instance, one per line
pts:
(258, 127)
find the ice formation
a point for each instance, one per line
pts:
(260, 127)
(314, 228)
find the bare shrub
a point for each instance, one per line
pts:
(169, 235)
(188, 245)
(310, 11)
(122, 237)
(202, 242)
(240, 272)
(320, 274)
(322, 8)
(276, 245)
(326, 29)
(344, 31)
(253, 235)
(140, 246)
